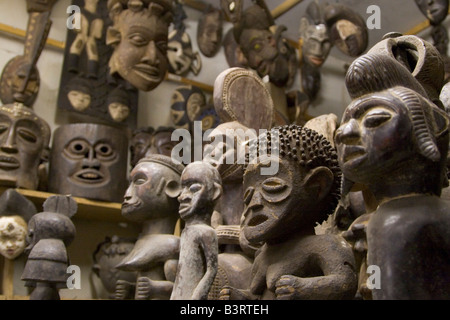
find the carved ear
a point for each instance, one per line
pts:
(173, 189)
(319, 181)
(217, 191)
(113, 36)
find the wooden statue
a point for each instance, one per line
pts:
(87, 91)
(181, 56)
(89, 160)
(281, 210)
(197, 266)
(233, 53)
(262, 42)
(106, 257)
(151, 199)
(209, 31)
(24, 140)
(49, 234)
(20, 78)
(322, 27)
(139, 36)
(15, 212)
(393, 139)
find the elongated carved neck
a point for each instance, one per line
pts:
(159, 226)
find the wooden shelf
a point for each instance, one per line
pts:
(87, 209)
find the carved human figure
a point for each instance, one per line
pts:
(197, 266)
(435, 10)
(15, 212)
(186, 104)
(139, 36)
(140, 142)
(118, 104)
(281, 211)
(393, 139)
(107, 255)
(151, 199)
(79, 93)
(49, 234)
(89, 160)
(24, 139)
(209, 31)
(90, 31)
(264, 46)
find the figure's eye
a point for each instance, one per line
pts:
(195, 187)
(27, 135)
(248, 195)
(274, 185)
(77, 148)
(376, 119)
(137, 39)
(140, 180)
(257, 46)
(104, 151)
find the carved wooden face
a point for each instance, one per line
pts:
(23, 142)
(79, 100)
(199, 191)
(118, 111)
(270, 200)
(13, 231)
(140, 143)
(375, 137)
(152, 192)
(434, 10)
(316, 43)
(162, 143)
(89, 160)
(209, 33)
(140, 49)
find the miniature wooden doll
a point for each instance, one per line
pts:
(15, 212)
(24, 147)
(282, 206)
(139, 36)
(197, 266)
(49, 234)
(151, 199)
(393, 139)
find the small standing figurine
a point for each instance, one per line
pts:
(49, 234)
(15, 212)
(197, 266)
(281, 211)
(151, 199)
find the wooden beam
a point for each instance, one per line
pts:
(284, 7)
(20, 34)
(8, 279)
(180, 79)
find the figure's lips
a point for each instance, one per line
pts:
(183, 208)
(128, 204)
(316, 60)
(89, 176)
(147, 72)
(257, 220)
(9, 163)
(352, 153)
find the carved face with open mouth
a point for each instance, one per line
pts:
(268, 201)
(87, 161)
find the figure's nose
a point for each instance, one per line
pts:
(255, 202)
(90, 160)
(150, 55)
(9, 145)
(348, 133)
